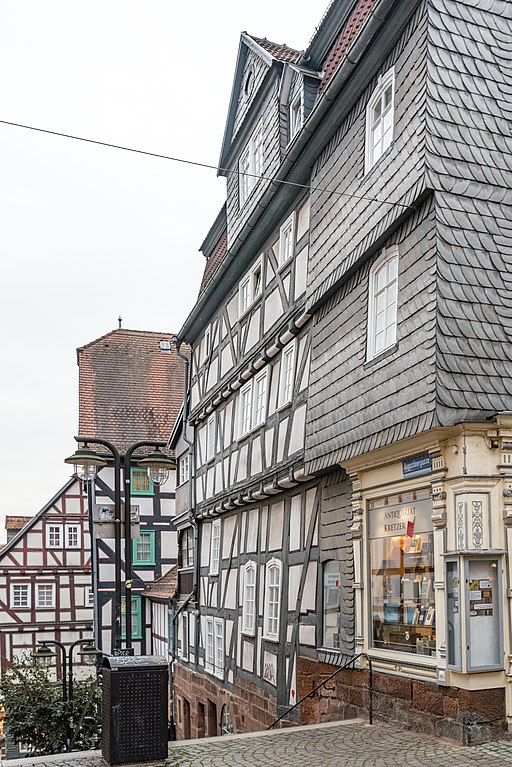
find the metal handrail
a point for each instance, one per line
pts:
(335, 673)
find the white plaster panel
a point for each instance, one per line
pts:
(302, 350)
(301, 271)
(307, 635)
(270, 271)
(228, 414)
(107, 571)
(194, 396)
(213, 597)
(270, 668)
(283, 426)
(261, 591)
(199, 492)
(212, 373)
(251, 517)
(206, 535)
(269, 444)
(289, 634)
(297, 435)
(73, 558)
(274, 386)
(309, 595)
(276, 526)
(248, 656)
(253, 333)
(243, 522)
(169, 543)
(107, 476)
(303, 220)
(263, 528)
(219, 483)
(73, 506)
(273, 309)
(286, 286)
(210, 476)
(293, 683)
(33, 539)
(230, 600)
(310, 502)
(256, 466)
(294, 573)
(242, 464)
(232, 309)
(295, 522)
(228, 531)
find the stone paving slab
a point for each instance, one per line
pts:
(340, 744)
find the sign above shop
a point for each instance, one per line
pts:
(413, 467)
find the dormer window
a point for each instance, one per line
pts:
(249, 83)
(379, 119)
(296, 115)
(250, 166)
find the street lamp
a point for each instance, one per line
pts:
(158, 466)
(44, 654)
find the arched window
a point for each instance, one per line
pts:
(379, 119)
(382, 303)
(249, 599)
(272, 600)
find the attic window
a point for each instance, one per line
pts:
(165, 345)
(249, 83)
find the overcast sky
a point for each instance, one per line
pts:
(89, 233)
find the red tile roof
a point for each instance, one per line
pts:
(278, 51)
(129, 388)
(165, 586)
(343, 43)
(214, 260)
(16, 523)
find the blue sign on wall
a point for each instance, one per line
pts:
(421, 464)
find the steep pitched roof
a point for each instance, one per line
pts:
(130, 388)
(277, 50)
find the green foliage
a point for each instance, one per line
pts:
(37, 714)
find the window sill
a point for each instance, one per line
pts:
(280, 267)
(271, 638)
(381, 356)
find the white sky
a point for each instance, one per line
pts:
(88, 233)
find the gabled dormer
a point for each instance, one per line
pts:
(253, 143)
(298, 93)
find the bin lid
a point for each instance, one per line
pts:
(134, 662)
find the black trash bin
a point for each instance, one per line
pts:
(135, 709)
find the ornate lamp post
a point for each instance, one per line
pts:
(158, 466)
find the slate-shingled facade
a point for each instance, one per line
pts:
(406, 149)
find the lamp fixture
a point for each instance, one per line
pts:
(86, 463)
(158, 466)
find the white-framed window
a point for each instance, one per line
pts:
(89, 596)
(250, 165)
(73, 536)
(54, 536)
(250, 287)
(287, 240)
(209, 645)
(383, 303)
(287, 374)
(214, 646)
(249, 599)
(379, 119)
(184, 468)
(272, 600)
(245, 409)
(187, 547)
(215, 548)
(210, 436)
(296, 115)
(20, 595)
(260, 386)
(45, 595)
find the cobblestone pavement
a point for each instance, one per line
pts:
(349, 744)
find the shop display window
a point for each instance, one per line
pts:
(331, 636)
(401, 551)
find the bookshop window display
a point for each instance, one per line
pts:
(402, 572)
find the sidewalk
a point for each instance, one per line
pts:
(339, 744)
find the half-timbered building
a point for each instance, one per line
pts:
(130, 390)
(46, 578)
(349, 389)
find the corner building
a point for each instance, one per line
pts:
(364, 507)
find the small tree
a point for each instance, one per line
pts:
(36, 713)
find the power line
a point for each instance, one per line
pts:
(204, 165)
